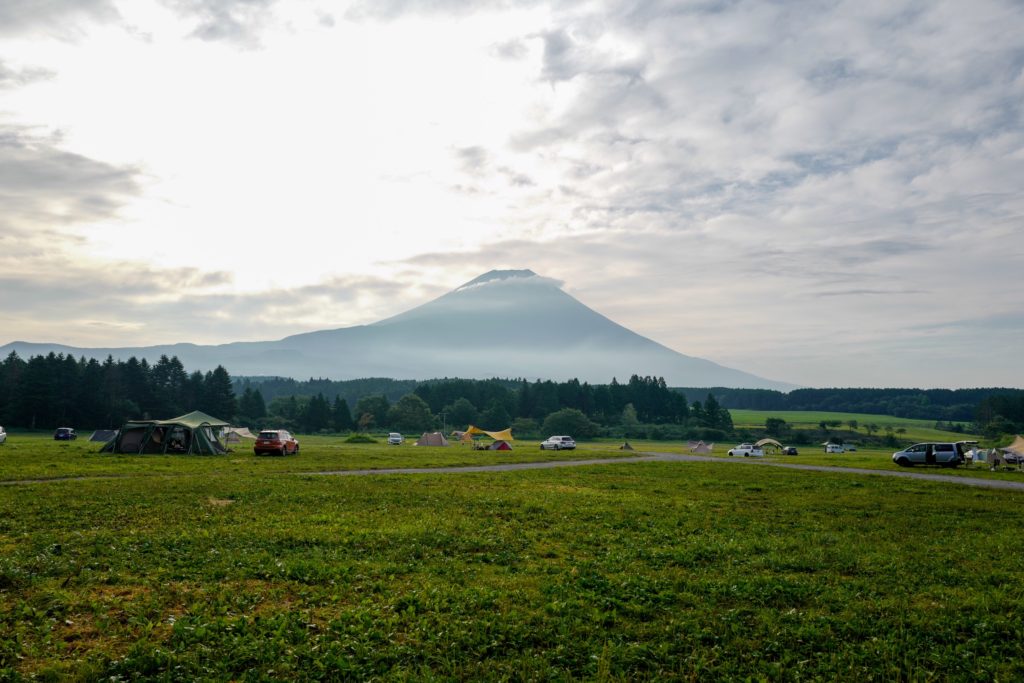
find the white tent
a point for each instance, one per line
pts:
(236, 434)
(432, 439)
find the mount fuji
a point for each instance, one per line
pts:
(505, 323)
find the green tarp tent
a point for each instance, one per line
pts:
(194, 433)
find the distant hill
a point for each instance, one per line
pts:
(505, 323)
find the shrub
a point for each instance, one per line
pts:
(360, 438)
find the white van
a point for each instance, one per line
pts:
(834, 448)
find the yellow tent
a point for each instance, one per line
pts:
(503, 435)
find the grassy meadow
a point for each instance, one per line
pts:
(243, 568)
(915, 430)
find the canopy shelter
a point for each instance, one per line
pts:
(770, 443)
(432, 439)
(503, 435)
(103, 435)
(194, 433)
(1016, 448)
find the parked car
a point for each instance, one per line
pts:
(747, 450)
(276, 441)
(3, 435)
(931, 453)
(834, 448)
(558, 443)
(394, 439)
(790, 450)
(65, 434)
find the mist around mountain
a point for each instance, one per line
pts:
(505, 323)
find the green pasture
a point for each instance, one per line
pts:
(38, 456)
(916, 430)
(655, 571)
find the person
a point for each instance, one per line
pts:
(993, 459)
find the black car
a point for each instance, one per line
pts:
(790, 450)
(64, 434)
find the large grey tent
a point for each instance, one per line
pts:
(194, 433)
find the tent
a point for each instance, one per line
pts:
(500, 445)
(236, 434)
(192, 433)
(701, 447)
(103, 435)
(771, 443)
(503, 435)
(432, 439)
(625, 447)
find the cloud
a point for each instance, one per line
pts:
(234, 21)
(11, 77)
(44, 187)
(60, 18)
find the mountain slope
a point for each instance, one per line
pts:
(510, 323)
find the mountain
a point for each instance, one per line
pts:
(505, 323)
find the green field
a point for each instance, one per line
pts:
(916, 430)
(235, 568)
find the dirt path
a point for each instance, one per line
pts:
(643, 457)
(678, 457)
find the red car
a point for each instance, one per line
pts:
(276, 441)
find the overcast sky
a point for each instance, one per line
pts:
(826, 193)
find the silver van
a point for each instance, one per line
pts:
(933, 453)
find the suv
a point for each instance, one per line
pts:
(3, 435)
(747, 450)
(395, 439)
(275, 441)
(944, 454)
(64, 434)
(558, 443)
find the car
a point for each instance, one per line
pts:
(64, 434)
(394, 439)
(3, 435)
(276, 441)
(790, 450)
(933, 453)
(558, 443)
(747, 450)
(835, 448)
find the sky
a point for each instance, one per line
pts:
(824, 193)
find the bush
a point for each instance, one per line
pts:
(360, 438)
(570, 421)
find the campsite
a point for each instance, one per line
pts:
(124, 566)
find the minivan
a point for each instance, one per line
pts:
(944, 454)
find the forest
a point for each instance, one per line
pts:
(44, 392)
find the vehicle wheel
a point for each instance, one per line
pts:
(296, 451)
(284, 450)
(903, 462)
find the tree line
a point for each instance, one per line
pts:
(947, 405)
(56, 390)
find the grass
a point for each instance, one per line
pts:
(38, 456)
(916, 430)
(654, 571)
